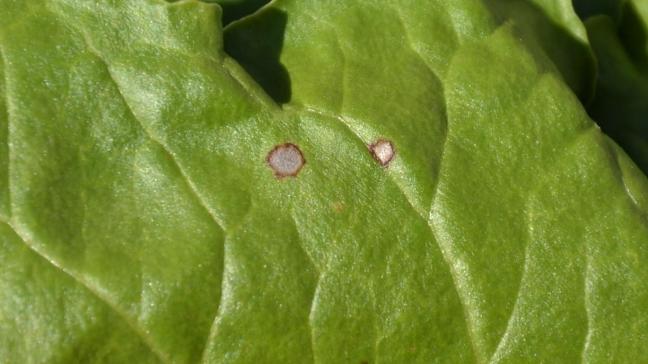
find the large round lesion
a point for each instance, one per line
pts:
(286, 160)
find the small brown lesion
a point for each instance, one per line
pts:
(383, 151)
(338, 206)
(286, 160)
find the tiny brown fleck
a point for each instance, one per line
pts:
(382, 151)
(285, 160)
(338, 206)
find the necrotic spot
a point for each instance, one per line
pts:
(286, 160)
(382, 151)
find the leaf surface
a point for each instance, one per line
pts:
(621, 47)
(554, 27)
(506, 228)
(237, 9)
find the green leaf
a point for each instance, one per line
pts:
(4, 156)
(513, 134)
(142, 221)
(589, 8)
(554, 26)
(237, 9)
(622, 89)
(49, 317)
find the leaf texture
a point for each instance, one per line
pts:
(138, 200)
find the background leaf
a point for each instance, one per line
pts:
(554, 26)
(237, 9)
(621, 48)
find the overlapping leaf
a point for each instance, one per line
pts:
(619, 37)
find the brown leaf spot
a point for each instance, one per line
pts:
(338, 206)
(382, 151)
(285, 160)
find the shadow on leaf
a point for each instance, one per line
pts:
(260, 57)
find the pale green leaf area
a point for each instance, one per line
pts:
(142, 223)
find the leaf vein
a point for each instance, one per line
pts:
(190, 184)
(146, 339)
(421, 215)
